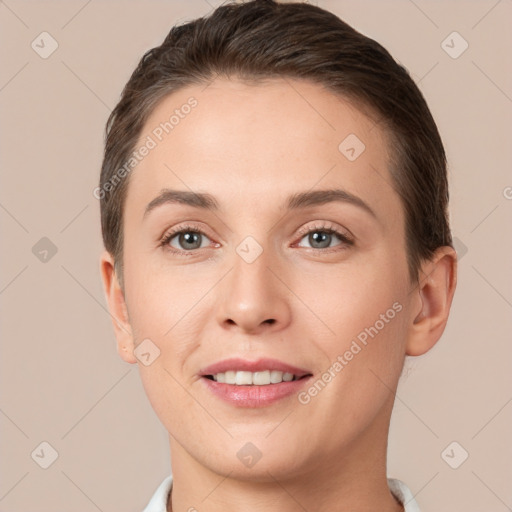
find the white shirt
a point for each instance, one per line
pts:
(158, 502)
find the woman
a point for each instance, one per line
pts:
(274, 212)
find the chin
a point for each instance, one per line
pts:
(257, 461)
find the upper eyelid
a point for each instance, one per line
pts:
(190, 226)
(327, 226)
(305, 229)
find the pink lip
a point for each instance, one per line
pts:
(252, 366)
(253, 396)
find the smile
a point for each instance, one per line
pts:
(253, 384)
(244, 378)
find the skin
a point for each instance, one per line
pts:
(251, 146)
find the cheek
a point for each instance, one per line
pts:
(160, 295)
(348, 299)
(361, 325)
(164, 309)
(363, 345)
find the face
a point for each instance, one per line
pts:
(256, 272)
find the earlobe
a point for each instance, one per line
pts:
(117, 307)
(435, 290)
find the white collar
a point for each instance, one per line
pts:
(158, 502)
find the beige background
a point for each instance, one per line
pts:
(61, 378)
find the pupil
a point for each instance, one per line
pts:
(320, 237)
(190, 237)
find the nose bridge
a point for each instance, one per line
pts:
(253, 297)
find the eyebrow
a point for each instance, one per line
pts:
(295, 201)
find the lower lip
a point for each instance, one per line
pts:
(254, 396)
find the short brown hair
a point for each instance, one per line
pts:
(265, 39)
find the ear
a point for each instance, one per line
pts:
(433, 296)
(117, 306)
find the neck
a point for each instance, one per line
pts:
(353, 479)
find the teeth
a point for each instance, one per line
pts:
(261, 378)
(276, 377)
(243, 378)
(230, 377)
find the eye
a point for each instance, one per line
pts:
(189, 238)
(185, 239)
(321, 237)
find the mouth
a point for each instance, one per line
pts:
(253, 383)
(262, 378)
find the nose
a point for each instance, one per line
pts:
(253, 299)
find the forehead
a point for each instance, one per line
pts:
(252, 144)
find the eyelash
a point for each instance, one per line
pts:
(344, 238)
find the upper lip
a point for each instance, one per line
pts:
(238, 364)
